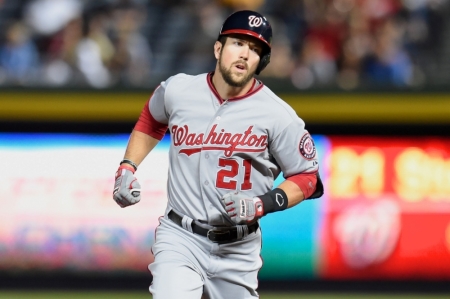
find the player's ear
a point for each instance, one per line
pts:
(217, 48)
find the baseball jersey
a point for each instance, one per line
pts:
(222, 145)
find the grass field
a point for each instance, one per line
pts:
(265, 295)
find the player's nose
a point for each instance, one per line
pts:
(245, 51)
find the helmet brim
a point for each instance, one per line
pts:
(246, 32)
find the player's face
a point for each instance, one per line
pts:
(238, 59)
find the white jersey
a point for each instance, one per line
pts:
(218, 146)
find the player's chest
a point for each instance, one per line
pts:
(232, 119)
(217, 126)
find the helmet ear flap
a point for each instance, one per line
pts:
(265, 59)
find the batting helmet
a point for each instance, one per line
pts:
(254, 24)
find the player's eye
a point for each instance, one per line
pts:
(256, 50)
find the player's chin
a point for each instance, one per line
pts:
(245, 75)
(239, 82)
(239, 74)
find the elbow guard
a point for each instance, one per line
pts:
(319, 188)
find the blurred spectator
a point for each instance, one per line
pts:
(198, 53)
(49, 16)
(356, 45)
(321, 46)
(56, 26)
(61, 57)
(280, 65)
(19, 57)
(389, 64)
(95, 50)
(130, 64)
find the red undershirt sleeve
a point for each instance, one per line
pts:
(150, 126)
(306, 182)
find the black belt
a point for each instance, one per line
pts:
(215, 234)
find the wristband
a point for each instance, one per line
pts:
(274, 201)
(129, 162)
(127, 166)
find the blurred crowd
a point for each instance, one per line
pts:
(136, 43)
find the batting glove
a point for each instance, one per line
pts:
(241, 208)
(127, 190)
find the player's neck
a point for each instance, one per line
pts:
(227, 91)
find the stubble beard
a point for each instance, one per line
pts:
(228, 75)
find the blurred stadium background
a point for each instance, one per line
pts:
(371, 78)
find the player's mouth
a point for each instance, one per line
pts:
(241, 67)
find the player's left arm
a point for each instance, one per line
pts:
(244, 209)
(293, 193)
(302, 186)
(295, 152)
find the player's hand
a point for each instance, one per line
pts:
(127, 190)
(241, 208)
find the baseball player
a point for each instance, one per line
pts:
(230, 139)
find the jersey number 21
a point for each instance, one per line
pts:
(231, 168)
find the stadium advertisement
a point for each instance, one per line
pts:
(388, 209)
(385, 213)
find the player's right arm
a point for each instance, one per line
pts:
(139, 146)
(148, 131)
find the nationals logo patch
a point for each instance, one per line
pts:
(307, 147)
(254, 21)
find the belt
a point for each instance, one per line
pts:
(215, 234)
